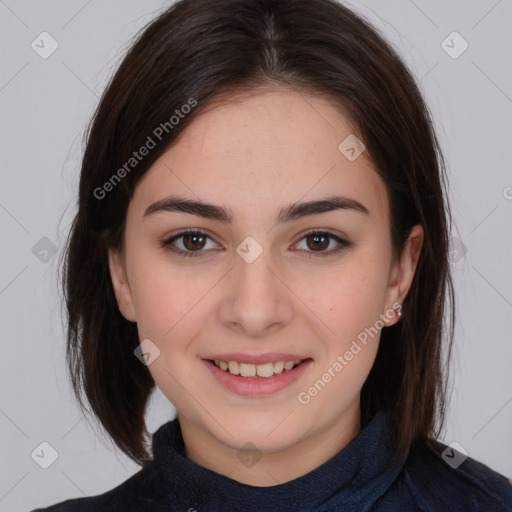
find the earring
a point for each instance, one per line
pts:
(399, 312)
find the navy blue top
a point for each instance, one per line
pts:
(360, 478)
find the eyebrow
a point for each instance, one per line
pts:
(288, 213)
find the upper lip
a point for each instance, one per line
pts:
(256, 358)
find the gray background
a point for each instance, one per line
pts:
(45, 105)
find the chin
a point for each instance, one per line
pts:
(266, 436)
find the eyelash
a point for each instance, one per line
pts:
(343, 244)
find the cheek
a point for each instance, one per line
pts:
(157, 304)
(170, 300)
(155, 293)
(348, 308)
(348, 299)
(169, 309)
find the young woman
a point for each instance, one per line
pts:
(262, 232)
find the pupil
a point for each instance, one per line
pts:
(316, 238)
(195, 237)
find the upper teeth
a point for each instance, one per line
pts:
(253, 370)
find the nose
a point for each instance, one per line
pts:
(256, 300)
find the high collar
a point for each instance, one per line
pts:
(354, 478)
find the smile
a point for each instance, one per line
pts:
(254, 380)
(263, 371)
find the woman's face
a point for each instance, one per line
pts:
(257, 288)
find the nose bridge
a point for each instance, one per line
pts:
(256, 277)
(256, 298)
(255, 283)
(254, 262)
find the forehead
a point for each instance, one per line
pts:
(264, 150)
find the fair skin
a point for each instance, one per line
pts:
(253, 156)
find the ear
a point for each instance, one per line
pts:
(403, 273)
(120, 285)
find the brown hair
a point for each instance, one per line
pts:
(211, 51)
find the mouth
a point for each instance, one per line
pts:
(256, 371)
(255, 380)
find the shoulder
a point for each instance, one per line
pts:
(135, 493)
(440, 478)
(87, 504)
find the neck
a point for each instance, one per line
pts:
(275, 467)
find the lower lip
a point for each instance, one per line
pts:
(250, 386)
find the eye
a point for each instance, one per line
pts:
(193, 241)
(321, 240)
